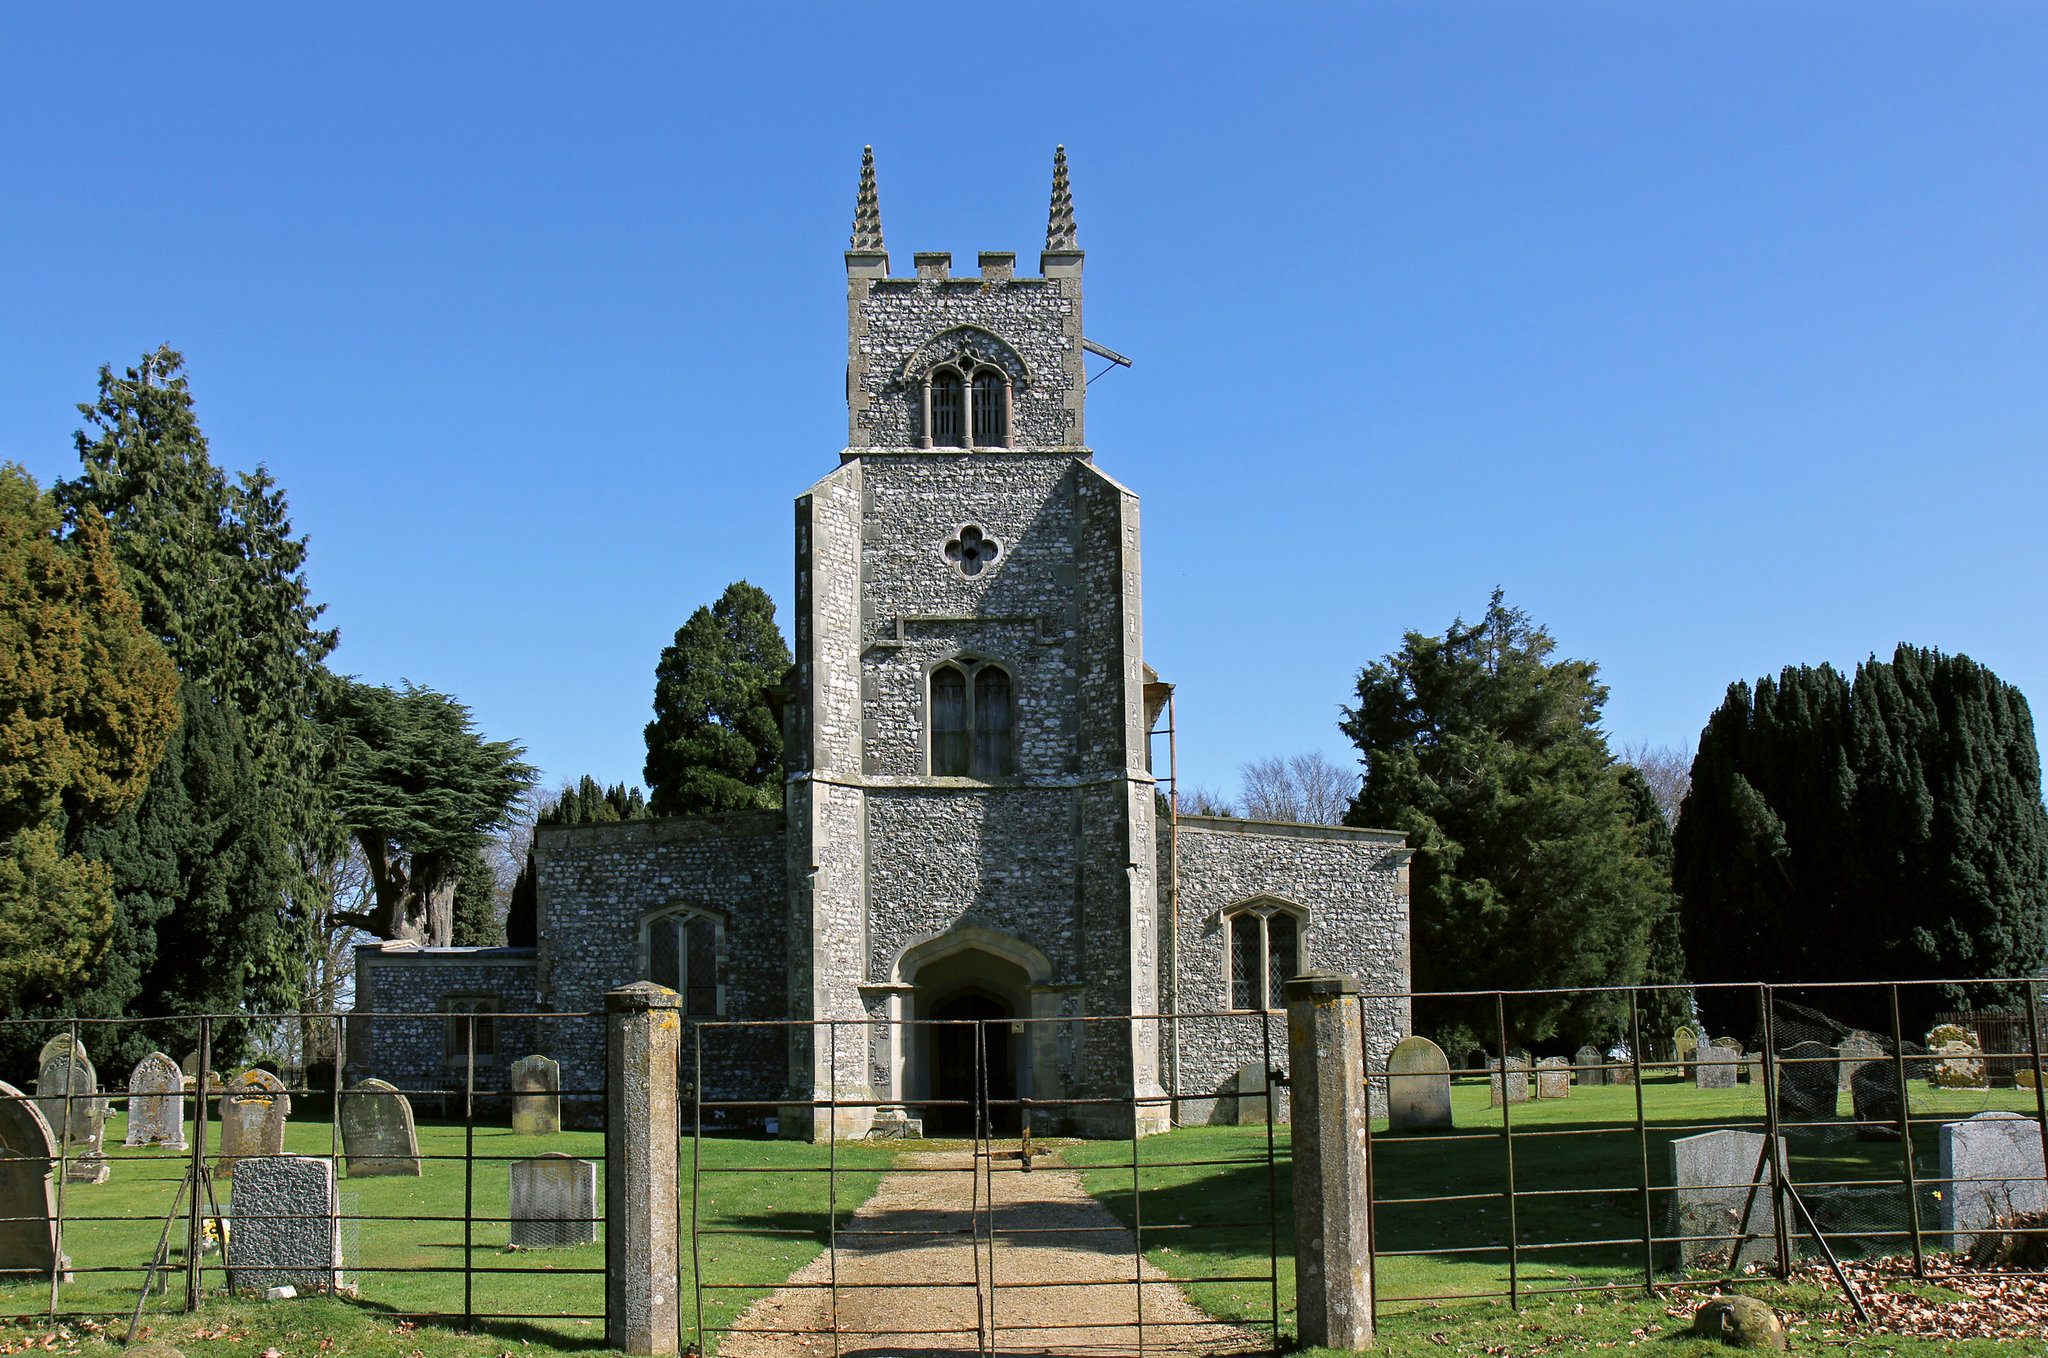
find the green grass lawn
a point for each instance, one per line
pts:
(763, 1225)
(1577, 1176)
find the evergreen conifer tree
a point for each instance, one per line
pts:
(1533, 868)
(476, 894)
(715, 743)
(1889, 828)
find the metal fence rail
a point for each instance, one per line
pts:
(196, 1202)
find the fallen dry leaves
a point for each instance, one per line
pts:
(1975, 1303)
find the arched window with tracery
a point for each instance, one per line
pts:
(1263, 943)
(950, 746)
(991, 722)
(948, 429)
(991, 413)
(681, 952)
(972, 721)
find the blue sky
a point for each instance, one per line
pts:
(1716, 333)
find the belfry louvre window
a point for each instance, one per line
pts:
(991, 429)
(1265, 953)
(972, 723)
(946, 412)
(682, 954)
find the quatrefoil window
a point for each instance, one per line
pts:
(972, 551)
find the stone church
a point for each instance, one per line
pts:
(972, 825)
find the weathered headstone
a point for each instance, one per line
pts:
(1714, 1067)
(251, 1125)
(536, 1096)
(1418, 1087)
(1753, 1068)
(554, 1202)
(156, 1103)
(1806, 1083)
(1852, 1053)
(1713, 1175)
(1959, 1062)
(1517, 1078)
(259, 1079)
(1991, 1167)
(1621, 1072)
(1874, 1092)
(67, 1093)
(1685, 1042)
(377, 1131)
(28, 1200)
(282, 1228)
(1553, 1078)
(1254, 1105)
(1589, 1065)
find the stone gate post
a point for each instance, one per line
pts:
(1332, 1170)
(643, 1043)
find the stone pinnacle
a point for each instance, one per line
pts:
(1059, 224)
(867, 211)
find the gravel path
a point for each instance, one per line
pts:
(908, 1263)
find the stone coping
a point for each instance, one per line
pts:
(400, 950)
(663, 829)
(1287, 829)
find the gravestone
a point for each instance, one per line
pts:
(1517, 1078)
(1685, 1042)
(1254, 1107)
(251, 1125)
(28, 1198)
(1621, 1072)
(1589, 1066)
(1553, 1078)
(1806, 1083)
(282, 1229)
(1712, 1176)
(1874, 1092)
(1753, 1068)
(1418, 1087)
(536, 1096)
(554, 1202)
(1991, 1168)
(156, 1103)
(259, 1079)
(377, 1131)
(78, 1123)
(1853, 1053)
(1714, 1067)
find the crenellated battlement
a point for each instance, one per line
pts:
(983, 362)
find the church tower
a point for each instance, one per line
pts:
(971, 826)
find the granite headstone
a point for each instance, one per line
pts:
(1713, 1174)
(282, 1228)
(1991, 1168)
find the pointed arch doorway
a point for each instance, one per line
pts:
(971, 1055)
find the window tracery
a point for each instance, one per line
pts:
(680, 950)
(1262, 946)
(971, 721)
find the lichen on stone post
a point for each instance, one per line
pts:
(1332, 1167)
(643, 1043)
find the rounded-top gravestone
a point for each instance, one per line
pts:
(536, 1096)
(1418, 1087)
(377, 1131)
(156, 1103)
(27, 1196)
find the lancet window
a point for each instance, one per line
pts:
(972, 721)
(681, 952)
(1264, 952)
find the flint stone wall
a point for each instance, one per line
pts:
(412, 1053)
(1353, 886)
(597, 882)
